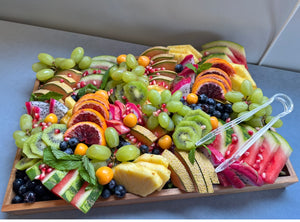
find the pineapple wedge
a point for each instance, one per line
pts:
(137, 179)
(70, 102)
(180, 51)
(241, 74)
(152, 158)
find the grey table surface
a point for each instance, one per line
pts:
(19, 47)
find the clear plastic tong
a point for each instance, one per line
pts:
(288, 107)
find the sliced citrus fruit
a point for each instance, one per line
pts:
(91, 104)
(210, 87)
(216, 77)
(91, 115)
(95, 97)
(215, 71)
(221, 64)
(87, 132)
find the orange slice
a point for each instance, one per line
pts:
(95, 97)
(87, 132)
(90, 115)
(216, 77)
(221, 64)
(91, 104)
(210, 87)
(215, 71)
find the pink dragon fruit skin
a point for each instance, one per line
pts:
(183, 85)
(42, 108)
(188, 59)
(57, 108)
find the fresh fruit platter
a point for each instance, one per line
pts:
(112, 130)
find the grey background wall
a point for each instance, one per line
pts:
(259, 25)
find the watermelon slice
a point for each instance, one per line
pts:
(279, 159)
(85, 199)
(68, 186)
(53, 178)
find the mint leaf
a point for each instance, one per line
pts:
(87, 171)
(87, 89)
(47, 96)
(191, 155)
(105, 79)
(203, 67)
(190, 66)
(60, 155)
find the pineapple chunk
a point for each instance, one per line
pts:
(161, 170)
(241, 74)
(180, 51)
(152, 158)
(70, 102)
(137, 179)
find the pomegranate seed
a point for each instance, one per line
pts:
(123, 97)
(35, 125)
(78, 85)
(42, 166)
(131, 137)
(263, 175)
(111, 91)
(94, 82)
(138, 106)
(57, 131)
(167, 87)
(163, 68)
(158, 74)
(257, 161)
(165, 110)
(110, 165)
(260, 156)
(228, 152)
(228, 120)
(61, 80)
(139, 120)
(247, 153)
(160, 83)
(147, 67)
(134, 140)
(43, 170)
(95, 71)
(151, 70)
(261, 149)
(108, 93)
(156, 134)
(69, 74)
(66, 139)
(163, 105)
(37, 116)
(154, 82)
(256, 166)
(184, 97)
(85, 73)
(44, 127)
(250, 132)
(49, 124)
(150, 77)
(42, 176)
(139, 144)
(82, 84)
(206, 53)
(234, 139)
(49, 170)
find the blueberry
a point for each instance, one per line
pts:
(123, 143)
(217, 114)
(220, 107)
(228, 108)
(31, 184)
(69, 151)
(120, 191)
(111, 185)
(73, 142)
(29, 197)
(211, 109)
(178, 68)
(17, 183)
(156, 151)
(211, 101)
(17, 199)
(20, 174)
(198, 107)
(63, 145)
(75, 97)
(202, 98)
(144, 149)
(39, 190)
(225, 116)
(105, 193)
(182, 100)
(22, 189)
(204, 107)
(26, 178)
(193, 106)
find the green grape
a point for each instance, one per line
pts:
(152, 122)
(239, 107)
(176, 95)
(148, 109)
(264, 100)
(163, 120)
(170, 126)
(253, 106)
(123, 66)
(139, 70)
(46, 59)
(233, 115)
(176, 118)
(184, 110)
(131, 61)
(85, 62)
(269, 110)
(166, 96)
(98, 152)
(257, 96)
(144, 79)
(260, 113)
(234, 96)
(39, 66)
(57, 61)
(26, 122)
(277, 124)
(36, 130)
(113, 69)
(242, 113)
(18, 134)
(246, 88)
(128, 76)
(255, 122)
(67, 64)
(20, 141)
(154, 97)
(174, 106)
(77, 54)
(111, 137)
(117, 74)
(127, 153)
(44, 74)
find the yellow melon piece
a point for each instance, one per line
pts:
(241, 74)
(152, 158)
(137, 179)
(161, 170)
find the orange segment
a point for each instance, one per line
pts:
(91, 104)
(95, 97)
(221, 64)
(91, 115)
(87, 132)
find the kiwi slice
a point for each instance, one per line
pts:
(53, 138)
(112, 85)
(25, 163)
(27, 150)
(119, 93)
(184, 138)
(37, 145)
(194, 126)
(201, 121)
(198, 112)
(135, 92)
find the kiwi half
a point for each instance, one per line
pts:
(184, 138)
(51, 138)
(136, 92)
(25, 163)
(194, 126)
(37, 145)
(201, 121)
(27, 150)
(198, 112)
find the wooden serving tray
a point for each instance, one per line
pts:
(163, 195)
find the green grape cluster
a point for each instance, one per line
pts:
(248, 99)
(165, 110)
(47, 65)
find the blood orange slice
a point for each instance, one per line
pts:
(216, 71)
(216, 77)
(91, 104)
(94, 97)
(90, 115)
(210, 87)
(222, 64)
(87, 132)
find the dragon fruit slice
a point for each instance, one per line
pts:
(39, 107)
(186, 72)
(57, 108)
(233, 178)
(118, 125)
(183, 85)
(121, 107)
(115, 112)
(188, 59)
(132, 108)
